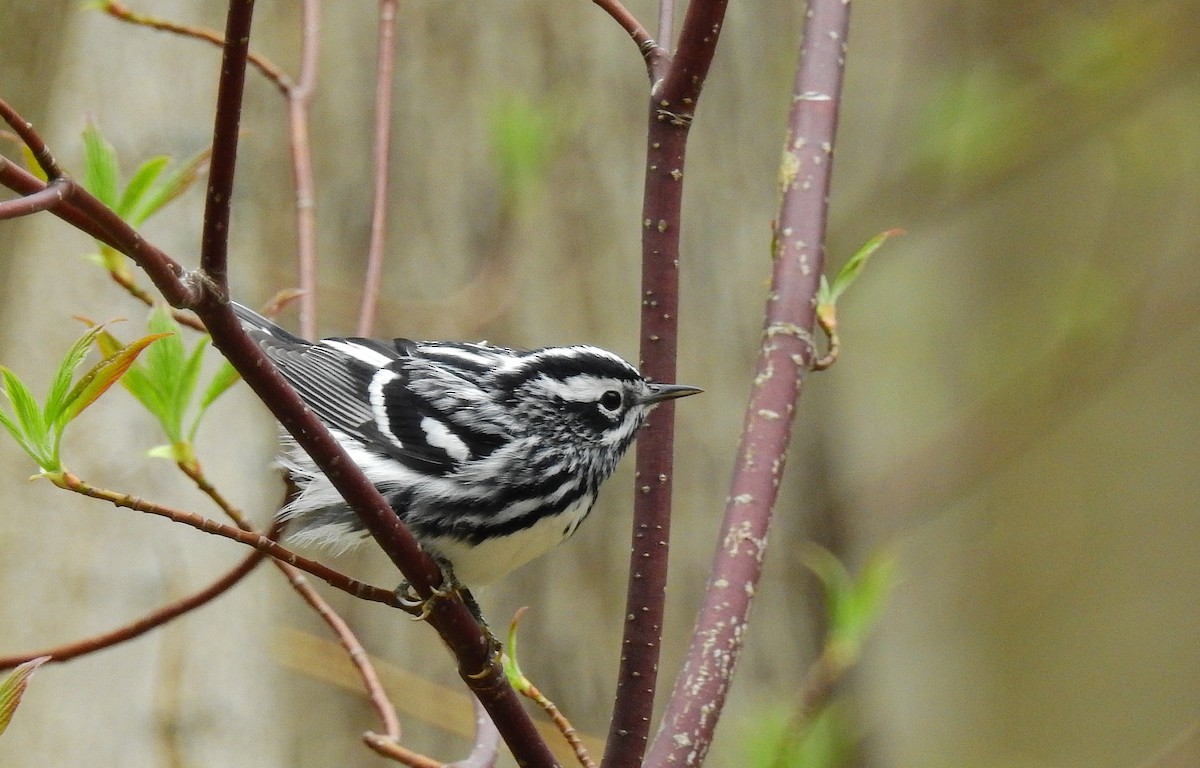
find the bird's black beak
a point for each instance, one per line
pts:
(660, 392)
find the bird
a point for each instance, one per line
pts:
(490, 455)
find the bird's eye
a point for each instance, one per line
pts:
(610, 400)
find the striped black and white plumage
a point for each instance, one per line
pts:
(490, 455)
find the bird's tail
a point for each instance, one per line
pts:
(257, 325)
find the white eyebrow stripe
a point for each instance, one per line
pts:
(580, 388)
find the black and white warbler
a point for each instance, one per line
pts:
(490, 455)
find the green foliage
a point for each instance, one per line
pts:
(38, 430)
(512, 670)
(776, 740)
(852, 604)
(149, 189)
(828, 295)
(12, 688)
(165, 383)
(826, 738)
(522, 136)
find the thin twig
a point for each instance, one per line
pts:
(381, 152)
(387, 747)
(25, 131)
(196, 475)
(787, 351)
(296, 579)
(143, 625)
(268, 69)
(666, 24)
(478, 667)
(652, 52)
(561, 722)
(53, 195)
(485, 747)
(358, 655)
(253, 539)
(91, 216)
(298, 100)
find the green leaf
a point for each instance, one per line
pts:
(867, 598)
(103, 375)
(135, 380)
(168, 188)
(853, 606)
(18, 435)
(521, 134)
(225, 377)
(13, 688)
(56, 399)
(31, 164)
(171, 452)
(29, 416)
(512, 670)
(145, 176)
(101, 176)
(852, 268)
(777, 738)
(186, 382)
(165, 368)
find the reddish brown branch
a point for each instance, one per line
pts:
(358, 655)
(670, 117)
(91, 216)
(143, 625)
(785, 356)
(26, 133)
(250, 538)
(689, 66)
(205, 294)
(214, 238)
(49, 197)
(654, 54)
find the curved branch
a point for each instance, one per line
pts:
(654, 54)
(205, 293)
(265, 66)
(48, 198)
(254, 539)
(784, 359)
(143, 625)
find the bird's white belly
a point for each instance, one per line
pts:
(487, 561)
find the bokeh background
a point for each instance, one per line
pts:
(1016, 416)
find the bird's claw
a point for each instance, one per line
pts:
(420, 607)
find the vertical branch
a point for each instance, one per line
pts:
(672, 106)
(784, 359)
(299, 96)
(214, 240)
(666, 24)
(384, 67)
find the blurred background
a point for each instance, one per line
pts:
(1015, 418)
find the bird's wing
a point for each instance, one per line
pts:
(361, 388)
